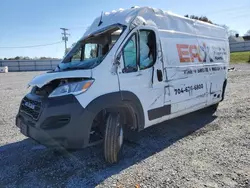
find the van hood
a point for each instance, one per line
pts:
(45, 78)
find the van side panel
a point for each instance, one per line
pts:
(215, 55)
(186, 77)
(196, 68)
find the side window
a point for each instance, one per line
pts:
(90, 51)
(129, 53)
(77, 56)
(85, 52)
(147, 49)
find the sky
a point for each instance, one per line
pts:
(31, 22)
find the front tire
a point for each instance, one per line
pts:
(113, 140)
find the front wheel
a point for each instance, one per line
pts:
(113, 140)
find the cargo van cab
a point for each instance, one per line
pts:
(132, 69)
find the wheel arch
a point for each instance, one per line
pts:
(124, 101)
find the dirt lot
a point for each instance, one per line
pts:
(193, 151)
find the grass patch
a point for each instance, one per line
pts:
(240, 57)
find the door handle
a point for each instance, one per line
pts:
(139, 74)
(159, 75)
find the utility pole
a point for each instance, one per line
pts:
(65, 37)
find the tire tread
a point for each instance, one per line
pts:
(110, 150)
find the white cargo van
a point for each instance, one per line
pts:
(132, 69)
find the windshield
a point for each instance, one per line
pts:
(90, 52)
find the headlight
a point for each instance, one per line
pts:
(72, 88)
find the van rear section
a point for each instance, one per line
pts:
(196, 67)
(132, 69)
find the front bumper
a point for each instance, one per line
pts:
(54, 122)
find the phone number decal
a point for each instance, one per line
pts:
(188, 89)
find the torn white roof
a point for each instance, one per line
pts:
(163, 20)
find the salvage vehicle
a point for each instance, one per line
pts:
(132, 69)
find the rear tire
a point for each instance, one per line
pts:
(113, 139)
(212, 109)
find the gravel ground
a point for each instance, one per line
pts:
(192, 151)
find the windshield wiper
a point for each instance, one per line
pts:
(73, 68)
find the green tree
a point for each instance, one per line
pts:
(201, 18)
(230, 32)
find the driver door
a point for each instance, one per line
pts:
(137, 74)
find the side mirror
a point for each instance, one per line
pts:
(159, 75)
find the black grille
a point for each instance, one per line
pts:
(31, 108)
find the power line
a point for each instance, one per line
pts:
(79, 27)
(240, 16)
(227, 10)
(33, 46)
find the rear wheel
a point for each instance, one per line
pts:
(212, 109)
(113, 139)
